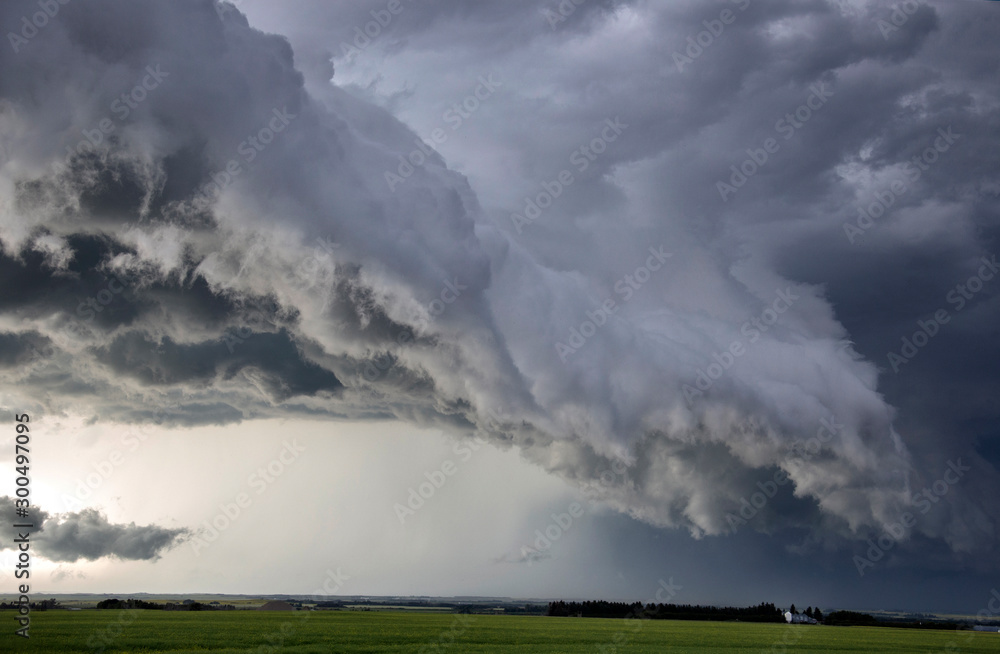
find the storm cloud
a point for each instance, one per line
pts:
(88, 535)
(697, 299)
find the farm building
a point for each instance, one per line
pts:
(798, 618)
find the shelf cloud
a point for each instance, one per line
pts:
(190, 221)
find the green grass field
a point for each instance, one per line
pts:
(377, 632)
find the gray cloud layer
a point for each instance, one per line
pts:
(180, 258)
(87, 535)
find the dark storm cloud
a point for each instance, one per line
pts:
(21, 349)
(209, 199)
(88, 535)
(169, 363)
(899, 268)
(894, 88)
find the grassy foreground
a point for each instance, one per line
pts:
(130, 632)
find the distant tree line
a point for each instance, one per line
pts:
(187, 605)
(763, 612)
(852, 618)
(482, 608)
(44, 605)
(129, 604)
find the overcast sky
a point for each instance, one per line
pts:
(506, 297)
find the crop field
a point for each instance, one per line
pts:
(349, 632)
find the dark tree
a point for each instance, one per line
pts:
(850, 618)
(794, 612)
(809, 612)
(764, 612)
(818, 615)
